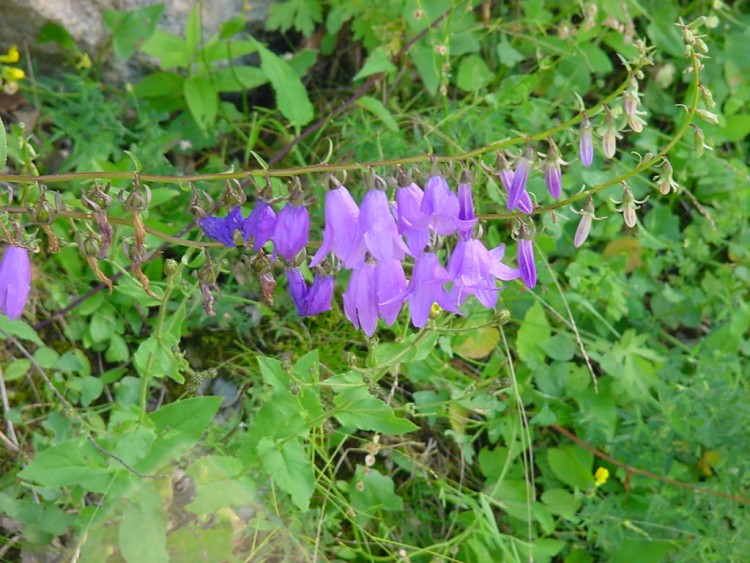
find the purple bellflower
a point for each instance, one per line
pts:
(309, 301)
(440, 205)
(222, 228)
(526, 262)
(260, 224)
(360, 299)
(376, 232)
(390, 282)
(586, 142)
(412, 223)
(524, 203)
(473, 269)
(341, 223)
(15, 281)
(552, 172)
(426, 287)
(466, 218)
(518, 186)
(292, 231)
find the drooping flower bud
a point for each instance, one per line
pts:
(506, 178)
(586, 142)
(664, 181)
(520, 176)
(292, 231)
(707, 97)
(552, 172)
(341, 213)
(628, 206)
(610, 134)
(584, 225)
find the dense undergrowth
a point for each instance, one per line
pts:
(190, 414)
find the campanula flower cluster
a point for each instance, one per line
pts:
(430, 233)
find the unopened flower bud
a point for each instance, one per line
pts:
(707, 97)
(552, 171)
(91, 246)
(206, 274)
(501, 317)
(584, 225)
(628, 206)
(170, 267)
(609, 134)
(664, 181)
(586, 142)
(350, 359)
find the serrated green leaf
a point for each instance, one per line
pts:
(19, 329)
(300, 14)
(572, 465)
(533, 333)
(71, 462)
(357, 408)
(290, 468)
(131, 29)
(473, 74)
(371, 492)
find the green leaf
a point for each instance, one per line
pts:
(178, 426)
(358, 409)
(220, 482)
(425, 59)
(291, 96)
(300, 14)
(236, 78)
(377, 62)
(193, 30)
(168, 48)
(572, 465)
(507, 54)
(561, 502)
(533, 333)
(155, 358)
(72, 462)
(377, 108)
(473, 74)
(290, 468)
(202, 100)
(371, 492)
(131, 29)
(16, 369)
(19, 329)
(161, 84)
(143, 528)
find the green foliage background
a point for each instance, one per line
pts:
(148, 431)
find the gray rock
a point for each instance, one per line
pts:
(22, 20)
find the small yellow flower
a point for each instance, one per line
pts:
(600, 476)
(13, 56)
(12, 74)
(84, 61)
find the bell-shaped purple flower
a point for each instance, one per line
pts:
(412, 223)
(526, 263)
(524, 204)
(376, 232)
(466, 218)
(15, 281)
(360, 299)
(223, 228)
(440, 204)
(292, 231)
(518, 187)
(260, 224)
(473, 269)
(341, 225)
(310, 301)
(426, 287)
(390, 282)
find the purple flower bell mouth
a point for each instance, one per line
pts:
(440, 205)
(310, 301)
(412, 223)
(474, 270)
(292, 231)
(15, 281)
(223, 228)
(342, 214)
(260, 224)
(426, 287)
(376, 232)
